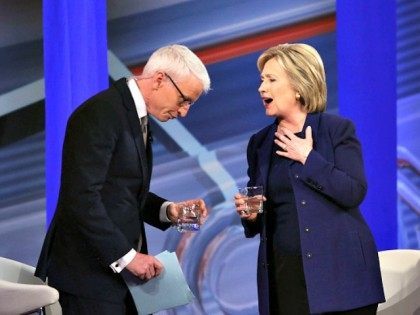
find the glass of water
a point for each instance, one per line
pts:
(189, 217)
(253, 198)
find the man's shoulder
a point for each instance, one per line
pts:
(104, 108)
(109, 99)
(114, 92)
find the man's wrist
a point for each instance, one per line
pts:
(120, 264)
(163, 214)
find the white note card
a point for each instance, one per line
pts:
(166, 291)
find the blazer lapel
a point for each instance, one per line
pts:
(312, 119)
(135, 127)
(264, 156)
(149, 149)
(138, 140)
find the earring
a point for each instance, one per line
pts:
(297, 96)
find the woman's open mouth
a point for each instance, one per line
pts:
(267, 100)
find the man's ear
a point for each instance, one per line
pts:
(158, 78)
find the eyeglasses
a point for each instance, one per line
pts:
(185, 100)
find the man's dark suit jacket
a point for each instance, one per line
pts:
(339, 254)
(104, 198)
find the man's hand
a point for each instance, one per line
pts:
(173, 210)
(145, 267)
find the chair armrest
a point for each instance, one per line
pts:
(18, 298)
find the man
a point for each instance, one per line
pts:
(98, 229)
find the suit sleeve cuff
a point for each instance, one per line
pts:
(120, 264)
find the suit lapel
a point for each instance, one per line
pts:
(149, 149)
(266, 148)
(135, 127)
(264, 156)
(312, 119)
(138, 140)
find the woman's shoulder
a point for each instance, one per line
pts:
(333, 120)
(334, 123)
(264, 131)
(337, 127)
(261, 134)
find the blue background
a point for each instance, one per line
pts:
(373, 77)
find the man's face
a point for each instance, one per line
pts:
(172, 97)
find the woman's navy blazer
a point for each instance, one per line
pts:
(339, 254)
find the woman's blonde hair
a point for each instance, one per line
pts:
(305, 70)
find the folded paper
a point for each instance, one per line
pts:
(166, 291)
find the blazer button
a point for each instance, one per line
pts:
(308, 255)
(307, 230)
(296, 176)
(303, 202)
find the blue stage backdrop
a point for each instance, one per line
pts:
(366, 48)
(222, 123)
(75, 63)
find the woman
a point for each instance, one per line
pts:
(316, 252)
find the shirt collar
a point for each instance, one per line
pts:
(137, 97)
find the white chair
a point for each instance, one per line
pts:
(22, 292)
(400, 269)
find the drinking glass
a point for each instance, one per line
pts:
(253, 199)
(189, 217)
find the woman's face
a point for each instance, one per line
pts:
(279, 98)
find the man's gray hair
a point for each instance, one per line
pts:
(178, 61)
